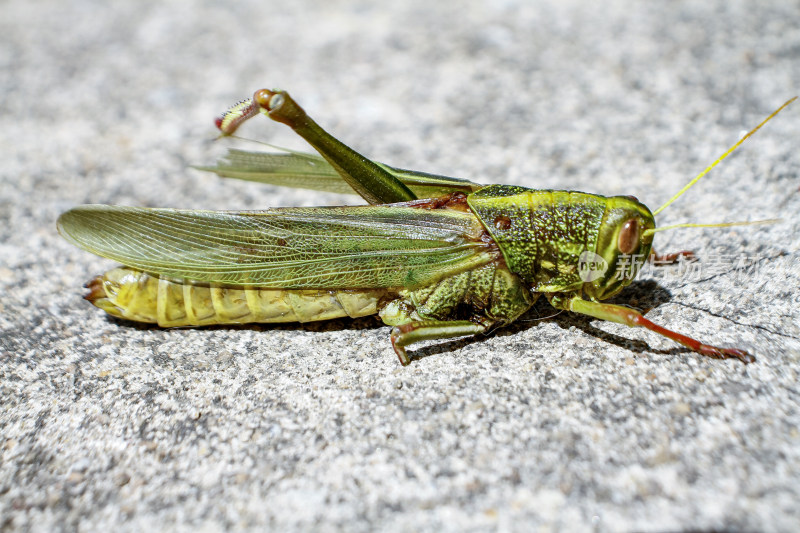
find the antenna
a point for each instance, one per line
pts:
(717, 225)
(723, 156)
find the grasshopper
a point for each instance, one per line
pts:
(435, 257)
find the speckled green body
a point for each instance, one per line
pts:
(543, 233)
(530, 244)
(487, 295)
(436, 257)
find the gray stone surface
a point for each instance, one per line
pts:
(553, 424)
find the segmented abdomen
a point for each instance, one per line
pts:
(135, 295)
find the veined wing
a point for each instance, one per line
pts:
(309, 171)
(291, 248)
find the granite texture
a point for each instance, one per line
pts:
(557, 423)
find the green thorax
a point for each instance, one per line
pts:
(545, 234)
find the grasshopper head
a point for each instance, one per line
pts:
(623, 246)
(626, 236)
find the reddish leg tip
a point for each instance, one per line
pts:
(727, 353)
(657, 259)
(398, 349)
(741, 355)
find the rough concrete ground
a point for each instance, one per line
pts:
(554, 424)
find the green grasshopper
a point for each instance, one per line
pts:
(435, 257)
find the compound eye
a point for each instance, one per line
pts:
(629, 236)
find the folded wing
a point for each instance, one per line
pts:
(291, 248)
(309, 171)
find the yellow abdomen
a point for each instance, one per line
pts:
(135, 295)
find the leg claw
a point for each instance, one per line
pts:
(727, 353)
